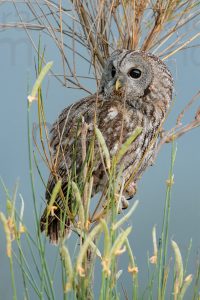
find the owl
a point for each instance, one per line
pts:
(135, 90)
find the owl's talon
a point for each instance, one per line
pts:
(121, 202)
(130, 197)
(131, 191)
(124, 202)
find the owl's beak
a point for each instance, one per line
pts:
(118, 84)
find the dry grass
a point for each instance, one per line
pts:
(91, 30)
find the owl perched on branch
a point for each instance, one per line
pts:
(135, 91)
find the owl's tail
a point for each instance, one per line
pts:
(54, 227)
(54, 221)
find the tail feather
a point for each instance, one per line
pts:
(52, 225)
(57, 225)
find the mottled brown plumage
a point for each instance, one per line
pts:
(141, 97)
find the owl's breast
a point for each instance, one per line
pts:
(118, 124)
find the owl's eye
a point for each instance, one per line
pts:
(113, 71)
(135, 73)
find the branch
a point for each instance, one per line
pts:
(179, 130)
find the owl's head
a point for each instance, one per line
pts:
(134, 74)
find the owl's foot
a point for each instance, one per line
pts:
(121, 202)
(124, 202)
(131, 191)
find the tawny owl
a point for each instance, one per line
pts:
(135, 90)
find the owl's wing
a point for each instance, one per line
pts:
(67, 120)
(61, 143)
(62, 137)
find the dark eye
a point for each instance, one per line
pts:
(113, 71)
(135, 73)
